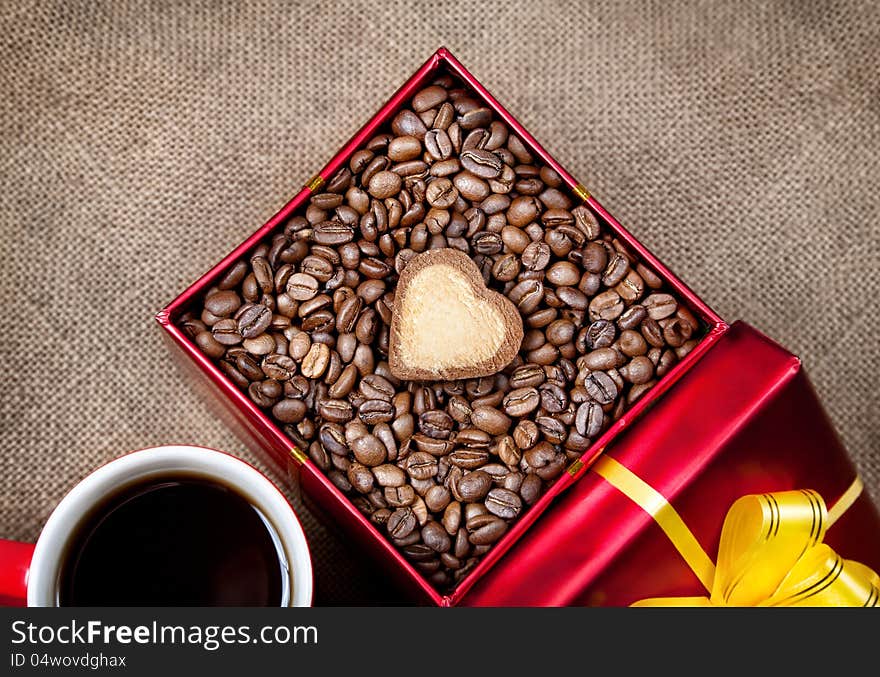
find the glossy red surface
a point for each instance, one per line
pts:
(530, 549)
(744, 420)
(15, 560)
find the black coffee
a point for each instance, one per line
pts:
(178, 541)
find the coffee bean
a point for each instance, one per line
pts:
(474, 486)
(369, 450)
(279, 367)
(638, 370)
(602, 358)
(590, 419)
(421, 465)
(503, 503)
(554, 399)
(301, 287)
(468, 458)
(487, 530)
(386, 474)
(222, 303)
(660, 306)
(490, 420)
(606, 306)
(482, 163)
(373, 412)
(437, 498)
(401, 523)
(316, 360)
(264, 393)
(209, 344)
(616, 269)
(520, 402)
(337, 411)
(473, 438)
(601, 387)
(333, 233)
(435, 537)
(536, 256)
(404, 148)
(436, 423)
(253, 321)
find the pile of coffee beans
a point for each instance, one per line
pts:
(443, 468)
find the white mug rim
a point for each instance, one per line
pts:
(43, 575)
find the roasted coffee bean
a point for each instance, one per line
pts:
(490, 420)
(536, 256)
(401, 523)
(601, 359)
(421, 465)
(435, 537)
(222, 303)
(265, 393)
(301, 287)
(373, 412)
(260, 345)
(473, 438)
(486, 530)
(638, 370)
(290, 411)
(376, 387)
(386, 474)
(482, 163)
(551, 428)
(436, 423)
(554, 399)
(337, 411)
(508, 451)
(503, 503)
(528, 375)
(399, 496)
(590, 419)
(468, 459)
(660, 306)
(525, 435)
(527, 295)
(279, 367)
(474, 486)
(209, 344)
(360, 478)
(632, 343)
(316, 360)
(652, 332)
(437, 498)
(675, 331)
(520, 402)
(404, 148)
(254, 321)
(601, 387)
(369, 450)
(606, 306)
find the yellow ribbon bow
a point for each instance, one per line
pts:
(770, 553)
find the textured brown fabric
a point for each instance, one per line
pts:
(142, 141)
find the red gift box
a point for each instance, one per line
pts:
(488, 582)
(744, 420)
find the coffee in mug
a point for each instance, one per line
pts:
(168, 526)
(175, 541)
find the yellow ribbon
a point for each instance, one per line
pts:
(770, 553)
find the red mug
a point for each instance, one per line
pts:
(29, 574)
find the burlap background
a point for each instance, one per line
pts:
(141, 142)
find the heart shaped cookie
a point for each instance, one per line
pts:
(446, 325)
